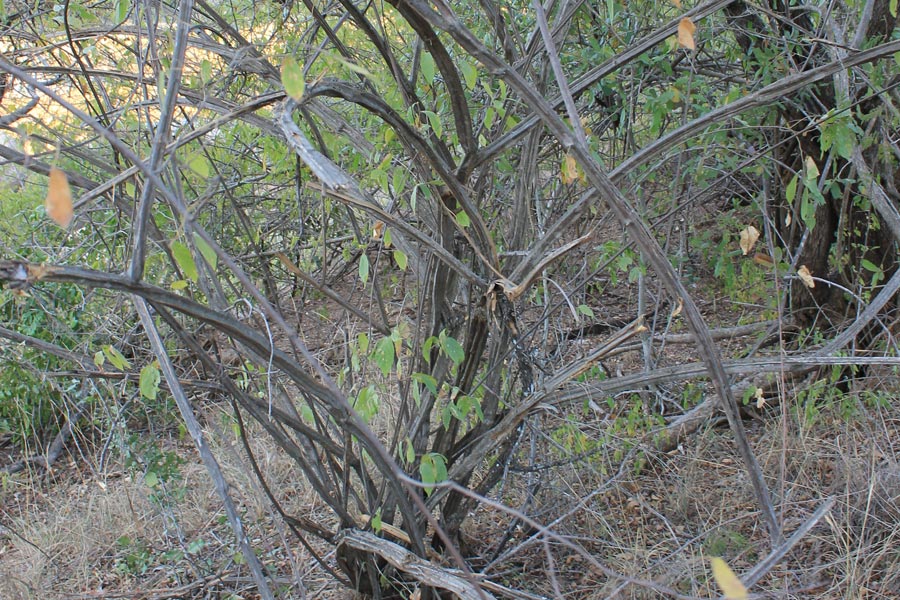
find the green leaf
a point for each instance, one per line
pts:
(447, 416)
(122, 7)
(427, 473)
(151, 479)
(489, 114)
(426, 348)
(432, 469)
(453, 349)
(584, 309)
(435, 121)
(427, 380)
(364, 268)
(470, 74)
(892, 7)
(185, 260)
(99, 359)
(375, 522)
(748, 394)
(206, 251)
(440, 467)
(383, 355)
(117, 359)
(399, 181)
(877, 272)
(790, 192)
(149, 382)
(468, 404)
(362, 340)
(868, 265)
(839, 132)
(808, 211)
(428, 68)
(179, 284)
(200, 166)
(400, 259)
(410, 453)
(206, 71)
(367, 403)
(463, 219)
(292, 78)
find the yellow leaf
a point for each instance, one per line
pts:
(806, 277)
(686, 31)
(570, 171)
(729, 583)
(812, 170)
(748, 239)
(677, 3)
(377, 230)
(760, 399)
(59, 199)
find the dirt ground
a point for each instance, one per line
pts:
(93, 526)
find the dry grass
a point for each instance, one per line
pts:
(106, 535)
(660, 522)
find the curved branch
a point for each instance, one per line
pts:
(633, 224)
(584, 82)
(461, 116)
(21, 275)
(42, 168)
(416, 146)
(341, 186)
(767, 95)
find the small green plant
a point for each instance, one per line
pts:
(160, 469)
(136, 557)
(571, 440)
(825, 396)
(726, 542)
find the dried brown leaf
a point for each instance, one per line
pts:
(749, 236)
(59, 199)
(686, 29)
(806, 277)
